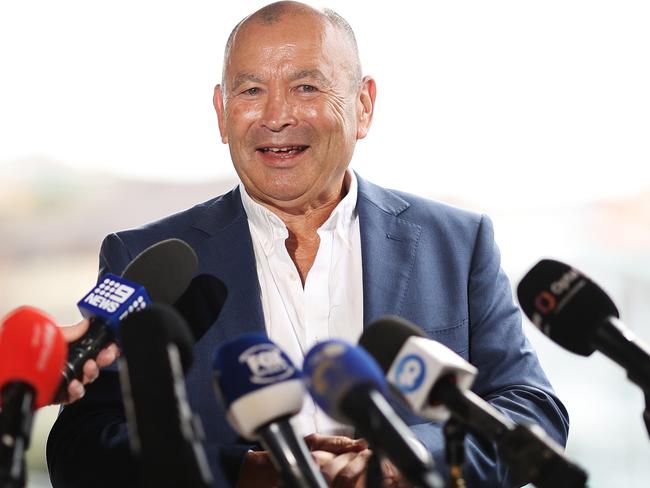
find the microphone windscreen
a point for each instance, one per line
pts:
(201, 303)
(146, 333)
(334, 368)
(256, 382)
(384, 338)
(32, 350)
(165, 269)
(564, 304)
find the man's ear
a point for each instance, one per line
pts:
(217, 100)
(365, 106)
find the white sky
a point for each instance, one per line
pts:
(513, 101)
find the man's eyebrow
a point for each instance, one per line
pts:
(243, 78)
(310, 73)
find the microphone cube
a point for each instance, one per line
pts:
(112, 299)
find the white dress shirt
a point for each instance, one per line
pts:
(331, 303)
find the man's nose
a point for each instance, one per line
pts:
(279, 112)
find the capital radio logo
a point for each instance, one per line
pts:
(546, 301)
(409, 373)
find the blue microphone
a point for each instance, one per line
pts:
(112, 299)
(261, 390)
(350, 386)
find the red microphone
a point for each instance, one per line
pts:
(32, 355)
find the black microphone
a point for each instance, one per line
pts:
(349, 386)
(435, 382)
(201, 303)
(164, 270)
(578, 315)
(163, 432)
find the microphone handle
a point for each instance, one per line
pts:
(290, 455)
(618, 343)
(15, 430)
(97, 337)
(532, 456)
(470, 409)
(376, 420)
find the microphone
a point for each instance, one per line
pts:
(164, 270)
(201, 304)
(578, 315)
(261, 390)
(163, 431)
(436, 382)
(349, 386)
(32, 354)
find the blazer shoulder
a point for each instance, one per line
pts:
(196, 222)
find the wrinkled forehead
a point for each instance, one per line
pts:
(296, 42)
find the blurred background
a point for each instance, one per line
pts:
(536, 113)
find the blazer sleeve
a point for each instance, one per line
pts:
(510, 376)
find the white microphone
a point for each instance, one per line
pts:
(261, 390)
(435, 382)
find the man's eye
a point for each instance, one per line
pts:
(307, 89)
(252, 91)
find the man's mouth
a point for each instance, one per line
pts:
(282, 151)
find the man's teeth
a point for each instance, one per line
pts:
(283, 149)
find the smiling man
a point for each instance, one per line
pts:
(310, 251)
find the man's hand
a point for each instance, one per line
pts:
(105, 357)
(344, 462)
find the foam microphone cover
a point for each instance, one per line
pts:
(165, 269)
(256, 382)
(334, 368)
(146, 334)
(564, 304)
(33, 351)
(201, 303)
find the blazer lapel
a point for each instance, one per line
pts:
(228, 254)
(388, 249)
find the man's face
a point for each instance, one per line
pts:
(292, 110)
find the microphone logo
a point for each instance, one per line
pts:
(267, 364)
(409, 373)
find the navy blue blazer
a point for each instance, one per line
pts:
(433, 264)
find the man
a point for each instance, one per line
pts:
(308, 250)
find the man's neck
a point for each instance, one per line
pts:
(303, 241)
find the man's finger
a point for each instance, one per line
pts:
(332, 469)
(91, 371)
(107, 355)
(336, 444)
(349, 476)
(75, 391)
(322, 457)
(73, 332)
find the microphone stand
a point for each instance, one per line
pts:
(374, 474)
(454, 433)
(15, 428)
(646, 412)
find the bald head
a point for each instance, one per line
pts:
(278, 11)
